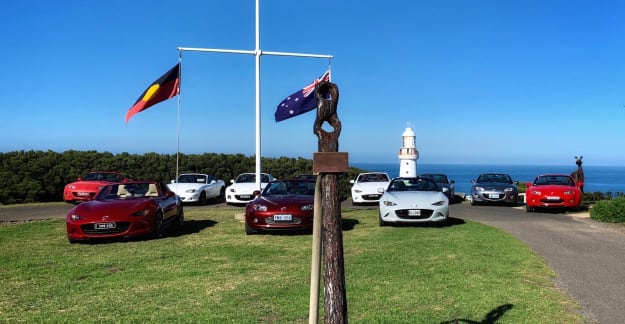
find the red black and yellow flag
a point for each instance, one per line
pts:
(165, 87)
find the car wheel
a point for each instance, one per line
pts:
(249, 230)
(473, 202)
(158, 224)
(222, 194)
(180, 216)
(529, 209)
(202, 200)
(382, 223)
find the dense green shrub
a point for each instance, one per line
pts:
(609, 211)
(40, 176)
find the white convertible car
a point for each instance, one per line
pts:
(241, 191)
(413, 200)
(198, 188)
(365, 189)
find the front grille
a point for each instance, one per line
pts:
(403, 214)
(294, 221)
(371, 197)
(120, 227)
(244, 197)
(551, 201)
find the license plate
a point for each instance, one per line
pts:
(282, 218)
(553, 198)
(82, 194)
(414, 212)
(245, 196)
(100, 226)
(493, 196)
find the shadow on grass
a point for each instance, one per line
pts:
(451, 221)
(491, 318)
(190, 227)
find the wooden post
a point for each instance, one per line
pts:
(327, 164)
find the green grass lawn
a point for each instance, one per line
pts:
(211, 272)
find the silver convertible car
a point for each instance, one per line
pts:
(494, 188)
(413, 200)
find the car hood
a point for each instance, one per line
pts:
(371, 186)
(87, 184)
(183, 187)
(111, 208)
(494, 185)
(552, 188)
(422, 197)
(284, 200)
(246, 187)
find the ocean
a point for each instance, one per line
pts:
(597, 178)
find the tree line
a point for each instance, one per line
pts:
(40, 176)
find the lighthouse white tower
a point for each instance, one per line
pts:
(408, 154)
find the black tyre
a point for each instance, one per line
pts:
(202, 200)
(249, 230)
(529, 209)
(180, 220)
(382, 223)
(158, 224)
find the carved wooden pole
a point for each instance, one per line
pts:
(328, 163)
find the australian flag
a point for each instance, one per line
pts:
(301, 101)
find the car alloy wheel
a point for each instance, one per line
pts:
(158, 224)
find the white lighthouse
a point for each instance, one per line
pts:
(408, 154)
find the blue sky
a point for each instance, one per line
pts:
(485, 82)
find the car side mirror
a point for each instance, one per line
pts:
(352, 181)
(170, 194)
(445, 189)
(213, 181)
(232, 181)
(173, 181)
(452, 181)
(472, 180)
(256, 193)
(380, 190)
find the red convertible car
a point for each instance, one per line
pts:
(84, 189)
(283, 205)
(555, 191)
(134, 208)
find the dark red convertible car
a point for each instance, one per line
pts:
(84, 189)
(282, 205)
(553, 191)
(134, 208)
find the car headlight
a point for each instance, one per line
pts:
(71, 187)
(509, 189)
(389, 203)
(357, 190)
(231, 190)
(190, 190)
(568, 192)
(307, 207)
(259, 207)
(75, 217)
(479, 188)
(439, 203)
(536, 192)
(143, 212)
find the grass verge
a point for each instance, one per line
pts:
(211, 272)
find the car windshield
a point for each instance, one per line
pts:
(192, 178)
(281, 188)
(554, 180)
(251, 177)
(129, 190)
(413, 184)
(102, 176)
(373, 177)
(440, 178)
(495, 178)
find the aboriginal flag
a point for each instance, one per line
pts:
(301, 101)
(165, 87)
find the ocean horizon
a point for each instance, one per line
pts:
(597, 178)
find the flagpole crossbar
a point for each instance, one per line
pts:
(219, 50)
